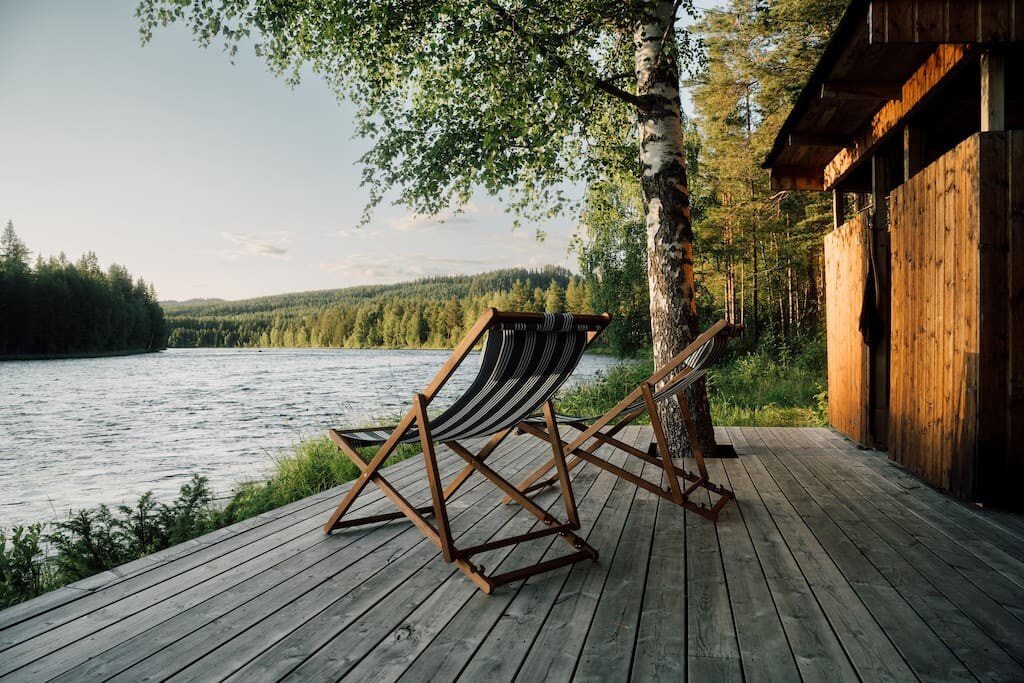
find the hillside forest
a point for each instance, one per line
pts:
(429, 313)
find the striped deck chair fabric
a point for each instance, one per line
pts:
(691, 490)
(526, 358)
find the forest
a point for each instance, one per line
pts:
(428, 313)
(56, 307)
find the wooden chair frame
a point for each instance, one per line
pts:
(440, 532)
(682, 484)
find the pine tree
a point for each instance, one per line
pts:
(14, 255)
(554, 298)
(577, 299)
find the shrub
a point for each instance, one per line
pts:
(605, 390)
(778, 384)
(23, 574)
(312, 466)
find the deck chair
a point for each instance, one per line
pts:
(526, 357)
(667, 383)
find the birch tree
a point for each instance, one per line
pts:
(504, 96)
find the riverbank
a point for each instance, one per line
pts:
(76, 356)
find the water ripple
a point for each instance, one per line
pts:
(76, 433)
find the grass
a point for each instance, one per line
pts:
(312, 466)
(780, 387)
(771, 389)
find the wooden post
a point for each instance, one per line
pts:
(879, 353)
(838, 208)
(993, 92)
(913, 151)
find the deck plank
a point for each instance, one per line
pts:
(453, 647)
(193, 632)
(476, 618)
(928, 656)
(979, 653)
(122, 614)
(661, 638)
(349, 647)
(832, 565)
(812, 641)
(278, 641)
(869, 649)
(508, 643)
(712, 652)
(979, 545)
(607, 653)
(995, 621)
(994, 527)
(764, 650)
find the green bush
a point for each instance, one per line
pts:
(94, 540)
(775, 385)
(605, 390)
(23, 573)
(778, 384)
(312, 466)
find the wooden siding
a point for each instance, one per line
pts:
(831, 565)
(939, 66)
(846, 266)
(946, 21)
(956, 395)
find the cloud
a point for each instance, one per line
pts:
(365, 233)
(272, 244)
(365, 267)
(461, 218)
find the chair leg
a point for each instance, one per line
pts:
(563, 471)
(509, 488)
(691, 431)
(662, 441)
(677, 476)
(441, 534)
(368, 472)
(462, 476)
(434, 479)
(534, 481)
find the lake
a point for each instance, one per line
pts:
(76, 433)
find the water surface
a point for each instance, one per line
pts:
(75, 433)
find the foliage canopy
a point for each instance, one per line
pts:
(454, 95)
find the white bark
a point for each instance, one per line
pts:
(667, 203)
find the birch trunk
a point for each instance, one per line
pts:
(667, 205)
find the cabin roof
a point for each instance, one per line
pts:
(876, 49)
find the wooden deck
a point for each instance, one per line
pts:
(834, 565)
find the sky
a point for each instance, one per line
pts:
(205, 178)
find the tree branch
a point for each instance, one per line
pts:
(617, 77)
(604, 86)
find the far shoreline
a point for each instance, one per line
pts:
(76, 356)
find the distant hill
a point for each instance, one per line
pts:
(189, 302)
(429, 312)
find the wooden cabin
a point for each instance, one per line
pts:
(914, 120)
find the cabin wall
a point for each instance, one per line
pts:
(957, 374)
(846, 267)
